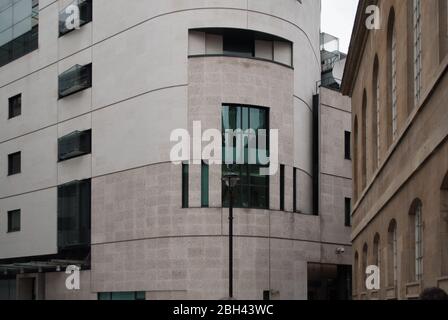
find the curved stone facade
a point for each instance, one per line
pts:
(146, 82)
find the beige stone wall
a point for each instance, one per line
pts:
(411, 167)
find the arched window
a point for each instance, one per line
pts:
(392, 78)
(416, 241)
(392, 254)
(355, 158)
(444, 224)
(364, 265)
(443, 29)
(417, 50)
(364, 141)
(377, 251)
(356, 273)
(375, 115)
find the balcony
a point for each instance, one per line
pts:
(74, 145)
(75, 79)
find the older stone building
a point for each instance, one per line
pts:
(396, 77)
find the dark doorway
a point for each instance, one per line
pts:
(329, 282)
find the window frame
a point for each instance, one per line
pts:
(12, 106)
(347, 145)
(14, 169)
(88, 5)
(244, 170)
(12, 228)
(205, 185)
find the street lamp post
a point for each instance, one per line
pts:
(231, 180)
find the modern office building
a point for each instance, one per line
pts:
(86, 179)
(396, 77)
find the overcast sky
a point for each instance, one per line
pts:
(337, 19)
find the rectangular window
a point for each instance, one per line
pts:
(14, 163)
(282, 187)
(74, 205)
(75, 79)
(138, 295)
(252, 190)
(347, 145)
(185, 185)
(204, 185)
(19, 21)
(74, 145)
(85, 15)
(294, 190)
(348, 212)
(14, 221)
(15, 106)
(239, 43)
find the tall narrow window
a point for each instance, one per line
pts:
(416, 239)
(185, 182)
(392, 262)
(394, 83)
(364, 264)
(282, 187)
(377, 251)
(294, 190)
(14, 163)
(444, 224)
(417, 51)
(443, 29)
(204, 185)
(418, 244)
(376, 116)
(14, 221)
(74, 207)
(355, 159)
(347, 145)
(15, 106)
(391, 110)
(252, 190)
(356, 274)
(348, 212)
(364, 141)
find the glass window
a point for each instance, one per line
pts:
(138, 295)
(417, 51)
(185, 185)
(294, 190)
(85, 15)
(252, 190)
(204, 185)
(348, 212)
(74, 145)
(14, 163)
(347, 143)
(282, 187)
(14, 221)
(239, 43)
(394, 83)
(75, 79)
(18, 28)
(418, 225)
(15, 106)
(74, 204)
